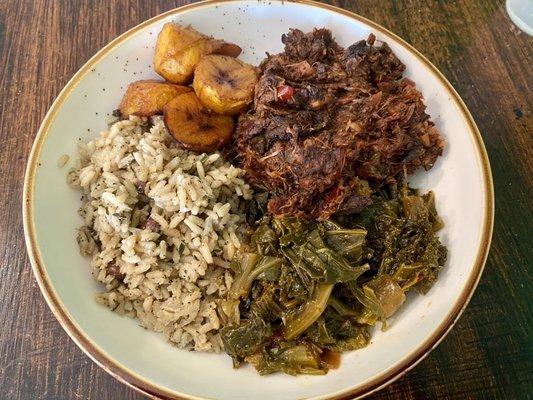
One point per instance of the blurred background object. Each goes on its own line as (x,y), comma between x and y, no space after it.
(521,13)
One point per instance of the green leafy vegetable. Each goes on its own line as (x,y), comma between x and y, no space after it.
(347,242)
(338,269)
(304,291)
(298,320)
(242,285)
(401,240)
(342,309)
(292,360)
(265,304)
(246,338)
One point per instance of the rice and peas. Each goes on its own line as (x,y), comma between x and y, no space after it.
(161,225)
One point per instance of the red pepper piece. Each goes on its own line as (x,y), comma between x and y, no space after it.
(284,92)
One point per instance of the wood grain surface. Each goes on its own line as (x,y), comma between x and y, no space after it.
(488,355)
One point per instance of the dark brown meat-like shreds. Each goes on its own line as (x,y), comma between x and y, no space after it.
(351,118)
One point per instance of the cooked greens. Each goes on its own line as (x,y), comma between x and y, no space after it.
(306,290)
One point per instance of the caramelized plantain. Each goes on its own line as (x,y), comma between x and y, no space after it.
(146,98)
(225,84)
(178,51)
(195,126)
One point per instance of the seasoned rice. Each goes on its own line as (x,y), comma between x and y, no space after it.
(161,225)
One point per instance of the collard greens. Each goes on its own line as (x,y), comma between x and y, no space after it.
(307,290)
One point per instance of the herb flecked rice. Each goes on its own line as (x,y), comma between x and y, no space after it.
(160,224)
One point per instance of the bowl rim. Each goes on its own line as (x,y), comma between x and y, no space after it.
(140,384)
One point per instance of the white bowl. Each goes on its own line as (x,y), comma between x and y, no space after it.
(142,359)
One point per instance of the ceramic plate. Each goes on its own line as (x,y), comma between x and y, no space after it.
(461,180)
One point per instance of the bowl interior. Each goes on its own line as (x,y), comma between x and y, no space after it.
(457,178)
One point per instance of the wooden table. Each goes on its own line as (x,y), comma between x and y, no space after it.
(489,352)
